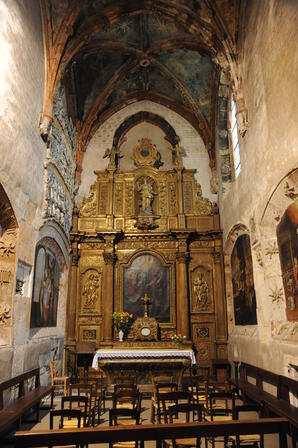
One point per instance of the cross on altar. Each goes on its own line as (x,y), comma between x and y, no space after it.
(146,301)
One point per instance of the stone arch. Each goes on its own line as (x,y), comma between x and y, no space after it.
(8,245)
(282,200)
(52,238)
(149,117)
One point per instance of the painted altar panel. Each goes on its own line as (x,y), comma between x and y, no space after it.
(288,253)
(147,275)
(245,311)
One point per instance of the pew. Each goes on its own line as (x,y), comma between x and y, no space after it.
(252,384)
(159,432)
(28,396)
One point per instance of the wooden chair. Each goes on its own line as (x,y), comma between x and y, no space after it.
(126,398)
(64,417)
(160,390)
(121,417)
(59,382)
(249,440)
(221,408)
(180,413)
(77,403)
(158,379)
(86,390)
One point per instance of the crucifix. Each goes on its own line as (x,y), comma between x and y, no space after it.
(146,301)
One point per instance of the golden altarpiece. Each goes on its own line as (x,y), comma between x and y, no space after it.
(147,231)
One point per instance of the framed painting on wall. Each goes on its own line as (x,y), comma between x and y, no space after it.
(245,310)
(45,289)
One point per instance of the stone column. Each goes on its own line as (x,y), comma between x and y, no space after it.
(181,289)
(108,291)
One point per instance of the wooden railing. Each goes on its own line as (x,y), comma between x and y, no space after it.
(44,438)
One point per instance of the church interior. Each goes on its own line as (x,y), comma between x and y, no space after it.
(149,187)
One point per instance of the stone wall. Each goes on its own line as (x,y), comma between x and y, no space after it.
(22,177)
(268,156)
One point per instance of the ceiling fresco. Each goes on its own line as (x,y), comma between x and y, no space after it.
(107,53)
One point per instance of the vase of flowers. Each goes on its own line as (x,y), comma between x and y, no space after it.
(178,339)
(122,321)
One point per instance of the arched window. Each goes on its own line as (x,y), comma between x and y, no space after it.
(234,138)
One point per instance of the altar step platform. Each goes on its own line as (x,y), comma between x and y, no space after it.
(145,360)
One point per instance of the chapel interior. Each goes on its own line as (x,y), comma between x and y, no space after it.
(148,165)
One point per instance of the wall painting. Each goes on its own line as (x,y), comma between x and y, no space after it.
(243,284)
(287,238)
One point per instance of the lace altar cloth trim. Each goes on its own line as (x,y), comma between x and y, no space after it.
(141,354)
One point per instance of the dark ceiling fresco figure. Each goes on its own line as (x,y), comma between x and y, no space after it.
(243,283)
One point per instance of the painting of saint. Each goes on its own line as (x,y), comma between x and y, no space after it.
(245,312)
(45,289)
(287,239)
(147,275)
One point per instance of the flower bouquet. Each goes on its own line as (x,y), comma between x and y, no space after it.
(178,339)
(122,321)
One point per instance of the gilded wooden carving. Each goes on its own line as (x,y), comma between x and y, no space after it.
(146,231)
(90,290)
(202,290)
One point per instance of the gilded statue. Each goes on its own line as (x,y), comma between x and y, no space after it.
(147,196)
(201,292)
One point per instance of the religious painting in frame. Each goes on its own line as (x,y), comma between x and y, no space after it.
(45,288)
(245,311)
(287,238)
(147,275)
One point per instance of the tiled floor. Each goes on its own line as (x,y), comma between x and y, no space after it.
(270,441)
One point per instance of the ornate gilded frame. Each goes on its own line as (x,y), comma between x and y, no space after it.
(126,263)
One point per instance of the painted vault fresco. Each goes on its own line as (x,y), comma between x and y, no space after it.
(243,284)
(45,289)
(147,275)
(288,253)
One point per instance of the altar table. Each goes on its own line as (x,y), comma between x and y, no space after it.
(173,360)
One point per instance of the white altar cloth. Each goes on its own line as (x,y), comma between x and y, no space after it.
(142,354)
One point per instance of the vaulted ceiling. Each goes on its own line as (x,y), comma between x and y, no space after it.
(108,53)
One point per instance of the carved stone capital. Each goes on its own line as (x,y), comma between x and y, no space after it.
(45,125)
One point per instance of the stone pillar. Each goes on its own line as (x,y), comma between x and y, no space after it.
(181,288)
(219,299)
(108,291)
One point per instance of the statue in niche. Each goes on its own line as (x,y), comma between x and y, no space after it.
(147,196)
(201,292)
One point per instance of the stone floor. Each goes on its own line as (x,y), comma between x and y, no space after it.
(271,441)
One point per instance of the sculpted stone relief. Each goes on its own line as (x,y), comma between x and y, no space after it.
(8,239)
(62,157)
(58,202)
(59,111)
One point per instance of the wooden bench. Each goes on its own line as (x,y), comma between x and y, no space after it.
(276,402)
(29,393)
(108,434)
